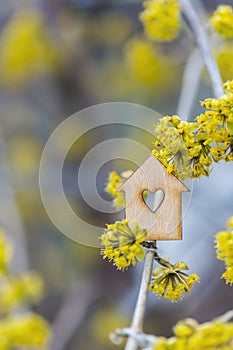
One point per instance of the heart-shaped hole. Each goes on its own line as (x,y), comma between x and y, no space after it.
(153,200)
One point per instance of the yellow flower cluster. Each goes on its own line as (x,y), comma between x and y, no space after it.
(216,125)
(161,19)
(26,331)
(171,282)
(23,330)
(222,21)
(26,48)
(122,244)
(190,335)
(188,149)
(5,254)
(224,246)
(173,139)
(114,182)
(144,61)
(24,289)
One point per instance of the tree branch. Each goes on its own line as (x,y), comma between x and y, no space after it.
(202,42)
(190,84)
(138,316)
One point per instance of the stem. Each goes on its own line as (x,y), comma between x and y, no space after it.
(138,316)
(202,41)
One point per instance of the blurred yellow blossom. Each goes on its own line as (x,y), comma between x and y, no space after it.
(24,289)
(106,321)
(185,328)
(114,182)
(27,331)
(222,21)
(145,72)
(161,19)
(26,48)
(224,57)
(144,61)
(24,155)
(5,253)
(190,335)
(230,223)
(23,330)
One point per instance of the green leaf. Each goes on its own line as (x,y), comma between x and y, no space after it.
(141,254)
(159,271)
(180,265)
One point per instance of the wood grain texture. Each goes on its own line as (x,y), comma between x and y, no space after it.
(166,222)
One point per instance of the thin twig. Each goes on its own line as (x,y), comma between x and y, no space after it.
(137,321)
(203,44)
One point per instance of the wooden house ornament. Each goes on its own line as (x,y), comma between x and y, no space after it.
(163,222)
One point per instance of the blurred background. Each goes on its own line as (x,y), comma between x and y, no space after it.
(56,58)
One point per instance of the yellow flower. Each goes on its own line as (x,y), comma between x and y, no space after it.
(171,282)
(222,21)
(185,328)
(114,182)
(224,57)
(174,142)
(26,48)
(105,321)
(189,335)
(228,275)
(224,247)
(122,244)
(188,149)
(144,61)
(230,223)
(161,19)
(5,254)
(25,331)
(24,289)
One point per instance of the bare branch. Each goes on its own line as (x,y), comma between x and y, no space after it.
(203,44)
(190,84)
(139,312)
